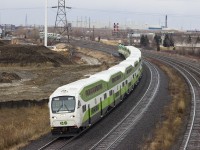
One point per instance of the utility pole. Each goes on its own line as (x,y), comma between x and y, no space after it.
(81,22)
(109,23)
(166,21)
(93,38)
(45,26)
(77,22)
(26,21)
(61,20)
(89,29)
(89,23)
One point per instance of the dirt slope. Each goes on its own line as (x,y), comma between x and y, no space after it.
(30,55)
(41,70)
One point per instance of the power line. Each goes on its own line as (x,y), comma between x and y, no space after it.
(134,12)
(27,8)
(110,11)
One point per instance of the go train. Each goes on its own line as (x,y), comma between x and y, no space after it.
(79,104)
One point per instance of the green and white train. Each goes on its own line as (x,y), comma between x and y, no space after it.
(80,104)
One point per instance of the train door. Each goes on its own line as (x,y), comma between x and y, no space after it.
(114,97)
(120,92)
(101,107)
(89,115)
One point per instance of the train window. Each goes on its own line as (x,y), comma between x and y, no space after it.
(79,104)
(105,96)
(63,103)
(95,101)
(95,109)
(117,94)
(94,90)
(117,78)
(123,84)
(110,92)
(84,108)
(129,70)
(136,64)
(126,82)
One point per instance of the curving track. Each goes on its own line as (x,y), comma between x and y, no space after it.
(189,70)
(119,132)
(55,144)
(191,73)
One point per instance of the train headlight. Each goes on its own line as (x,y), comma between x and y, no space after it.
(72,116)
(54,117)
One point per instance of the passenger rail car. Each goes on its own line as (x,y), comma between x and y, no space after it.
(78,105)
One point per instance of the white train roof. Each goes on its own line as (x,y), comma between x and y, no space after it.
(120,67)
(129,61)
(134,51)
(105,75)
(132,54)
(134,59)
(74,87)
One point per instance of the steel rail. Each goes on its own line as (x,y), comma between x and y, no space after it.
(118,133)
(193,67)
(194,91)
(188,62)
(58,144)
(49,143)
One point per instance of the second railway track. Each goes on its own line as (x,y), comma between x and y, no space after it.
(192,133)
(119,132)
(191,73)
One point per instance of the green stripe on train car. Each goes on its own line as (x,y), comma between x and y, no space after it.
(88,96)
(105,103)
(123,90)
(114,80)
(129,71)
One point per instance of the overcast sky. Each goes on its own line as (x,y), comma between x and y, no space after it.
(182,14)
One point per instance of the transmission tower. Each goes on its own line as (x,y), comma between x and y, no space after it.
(61,24)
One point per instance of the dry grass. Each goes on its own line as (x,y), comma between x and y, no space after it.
(166,48)
(110,42)
(167,131)
(193,51)
(20,125)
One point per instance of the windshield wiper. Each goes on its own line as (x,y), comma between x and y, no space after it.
(66,107)
(59,108)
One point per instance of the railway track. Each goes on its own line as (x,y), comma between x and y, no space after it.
(56,144)
(60,142)
(119,132)
(190,141)
(191,73)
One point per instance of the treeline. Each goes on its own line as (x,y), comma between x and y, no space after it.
(166,41)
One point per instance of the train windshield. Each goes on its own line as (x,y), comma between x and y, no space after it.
(63,103)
